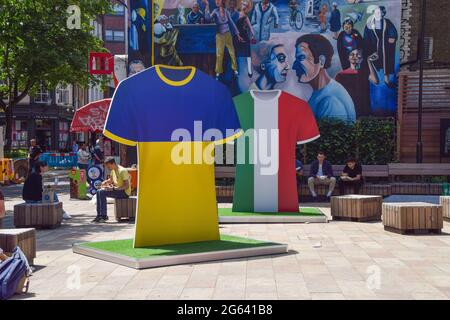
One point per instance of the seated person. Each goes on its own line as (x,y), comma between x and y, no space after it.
(118,186)
(2,207)
(351,177)
(321,174)
(33,186)
(298,169)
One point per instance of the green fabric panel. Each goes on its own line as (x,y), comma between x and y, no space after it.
(244,179)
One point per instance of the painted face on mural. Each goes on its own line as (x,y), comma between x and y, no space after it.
(304,66)
(377,14)
(355,57)
(278,66)
(244,6)
(348,26)
(232,5)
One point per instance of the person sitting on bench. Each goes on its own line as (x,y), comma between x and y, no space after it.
(118,186)
(322,174)
(351,177)
(33,186)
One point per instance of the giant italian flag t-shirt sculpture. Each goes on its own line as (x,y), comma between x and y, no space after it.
(274,122)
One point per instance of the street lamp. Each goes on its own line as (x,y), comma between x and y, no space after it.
(419,153)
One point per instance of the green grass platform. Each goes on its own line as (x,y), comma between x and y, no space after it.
(226,215)
(228,247)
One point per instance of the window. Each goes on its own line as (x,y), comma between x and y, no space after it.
(42,96)
(116,36)
(118,9)
(62,95)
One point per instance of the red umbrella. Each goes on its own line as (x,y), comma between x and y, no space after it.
(91,117)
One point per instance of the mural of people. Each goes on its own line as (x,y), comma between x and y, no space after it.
(380,37)
(348,40)
(313,55)
(346,73)
(355,80)
(270,61)
(222,18)
(263,15)
(335,21)
(247,33)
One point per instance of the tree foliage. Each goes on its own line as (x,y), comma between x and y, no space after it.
(36,46)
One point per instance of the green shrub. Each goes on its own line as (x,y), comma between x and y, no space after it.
(371,140)
(16,153)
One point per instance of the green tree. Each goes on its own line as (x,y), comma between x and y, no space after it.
(41,41)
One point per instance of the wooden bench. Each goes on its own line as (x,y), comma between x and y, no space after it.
(356,208)
(445,203)
(38,215)
(412,217)
(24,238)
(418,169)
(125,208)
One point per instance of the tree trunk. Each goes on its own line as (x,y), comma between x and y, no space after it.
(9,122)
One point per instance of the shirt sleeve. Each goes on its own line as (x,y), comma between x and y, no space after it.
(120,125)
(227,120)
(125,175)
(307,129)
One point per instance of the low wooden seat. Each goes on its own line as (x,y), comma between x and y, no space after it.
(24,238)
(445,203)
(38,215)
(355,207)
(125,208)
(412,217)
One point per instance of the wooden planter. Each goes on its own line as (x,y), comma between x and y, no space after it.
(445,203)
(356,207)
(38,215)
(24,238)
(125,208)
(412,217)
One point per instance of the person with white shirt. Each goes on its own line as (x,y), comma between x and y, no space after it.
(83,157)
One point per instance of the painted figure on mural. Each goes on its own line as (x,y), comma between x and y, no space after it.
(165,38)
(181,19)
(348,40)
(232,8)
(243,48)
(313,55)
(263,15)
(195,16)
(323,18)
(138,29)
(355,80)
(335,21)
(221,17)
(270,62)
(380,37)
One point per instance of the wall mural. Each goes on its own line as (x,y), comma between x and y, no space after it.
(341,56)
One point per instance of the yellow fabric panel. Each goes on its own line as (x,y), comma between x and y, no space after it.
(120,176)
(176,203)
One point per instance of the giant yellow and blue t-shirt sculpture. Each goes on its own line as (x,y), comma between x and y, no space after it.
(175,116)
